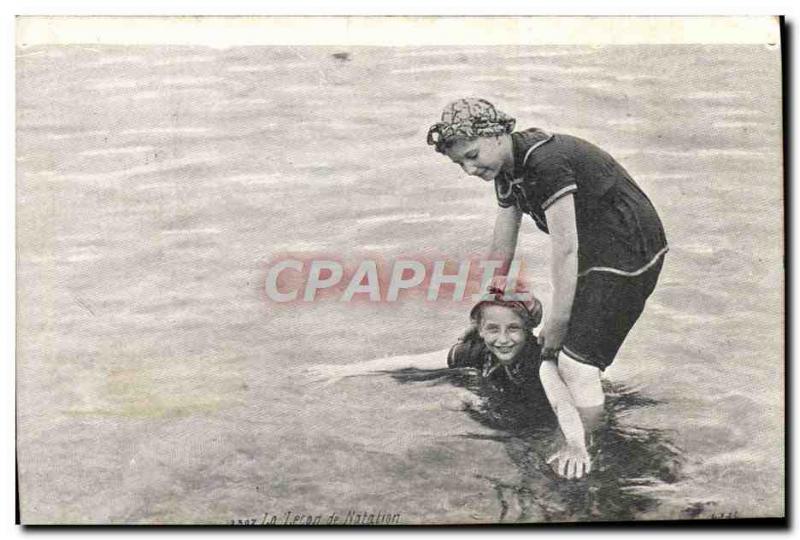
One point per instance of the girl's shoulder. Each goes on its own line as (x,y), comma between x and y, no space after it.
(531,356)
(526,143)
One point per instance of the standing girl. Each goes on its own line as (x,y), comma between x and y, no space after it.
(607,240)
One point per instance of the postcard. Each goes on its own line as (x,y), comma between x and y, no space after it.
(381,271)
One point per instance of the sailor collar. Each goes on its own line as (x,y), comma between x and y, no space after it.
(513,371)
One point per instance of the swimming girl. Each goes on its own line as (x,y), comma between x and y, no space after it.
(607,241)
(503,350)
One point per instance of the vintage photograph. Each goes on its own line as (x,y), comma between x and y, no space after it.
(378,271)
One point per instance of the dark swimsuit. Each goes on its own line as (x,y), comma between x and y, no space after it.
(520,376)
(513,394)
(621,241)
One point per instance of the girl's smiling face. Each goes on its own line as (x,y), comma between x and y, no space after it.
(483,157)
(503,331)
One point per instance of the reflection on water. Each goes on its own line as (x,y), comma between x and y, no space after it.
(629,463)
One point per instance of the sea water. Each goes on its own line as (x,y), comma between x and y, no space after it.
(156,382)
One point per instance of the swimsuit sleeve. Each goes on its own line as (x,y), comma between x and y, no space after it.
(532,382)
(555,179)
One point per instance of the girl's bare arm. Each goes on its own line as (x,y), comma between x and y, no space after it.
(569,420)
(504,239)
(563,268)
(573,458)
(330,373)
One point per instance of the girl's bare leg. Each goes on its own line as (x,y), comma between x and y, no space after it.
(583,382)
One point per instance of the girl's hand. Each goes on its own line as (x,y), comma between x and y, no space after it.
(552,335)
(572,461)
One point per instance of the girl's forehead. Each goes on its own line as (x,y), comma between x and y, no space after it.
(460,147)
(493,314)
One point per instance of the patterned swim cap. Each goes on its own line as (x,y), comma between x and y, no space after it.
(500,293)
(469,118)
